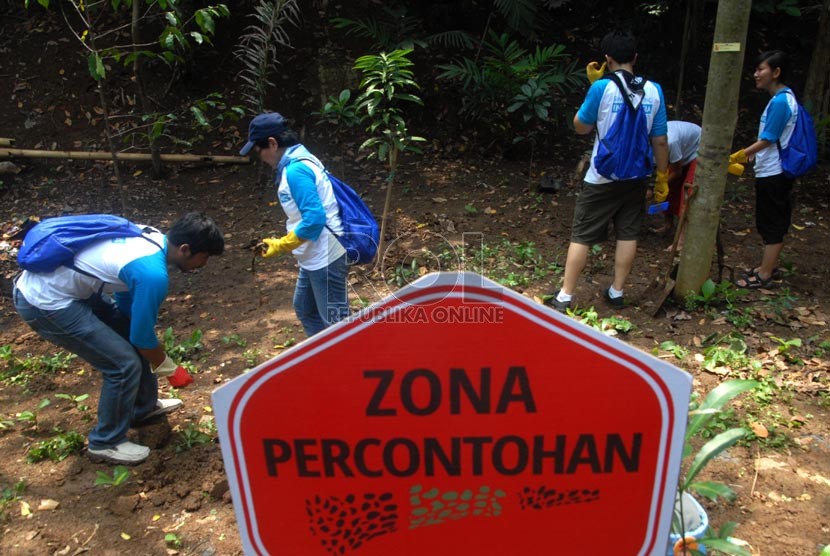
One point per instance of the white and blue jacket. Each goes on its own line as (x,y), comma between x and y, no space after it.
(132,268)
(777,124)
(306,196)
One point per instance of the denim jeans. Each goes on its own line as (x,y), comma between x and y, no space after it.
(320,297)
(95,330)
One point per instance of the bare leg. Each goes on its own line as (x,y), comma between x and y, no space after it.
(770,260)
(574,265)
(623,261)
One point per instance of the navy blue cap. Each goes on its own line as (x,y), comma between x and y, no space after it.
(270,124)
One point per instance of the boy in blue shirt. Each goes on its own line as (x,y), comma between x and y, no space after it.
(73,307)
(603,199)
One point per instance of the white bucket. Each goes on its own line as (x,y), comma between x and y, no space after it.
(695,521)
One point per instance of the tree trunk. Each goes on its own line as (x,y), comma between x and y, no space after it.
(817,89)
(719,118)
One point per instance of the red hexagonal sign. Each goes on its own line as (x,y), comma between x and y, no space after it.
(455,417)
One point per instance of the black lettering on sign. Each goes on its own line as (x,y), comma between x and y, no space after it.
(459,380)
(433,392)
(384,380)
(516,376)
(421,392)
(272,458)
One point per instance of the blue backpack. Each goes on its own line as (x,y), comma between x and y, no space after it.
(55,241)
(801,153)
(361,234)
(625,151)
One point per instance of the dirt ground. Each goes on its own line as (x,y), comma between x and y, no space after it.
(243,311)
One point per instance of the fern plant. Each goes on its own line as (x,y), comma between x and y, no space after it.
(257,48)
(490,83)
(395,29)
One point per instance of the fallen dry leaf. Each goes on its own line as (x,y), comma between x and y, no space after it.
(48,504)
(759,429)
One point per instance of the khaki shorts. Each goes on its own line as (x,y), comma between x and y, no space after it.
(620,202)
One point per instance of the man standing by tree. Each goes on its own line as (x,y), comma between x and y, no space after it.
(71,307)
(629,115)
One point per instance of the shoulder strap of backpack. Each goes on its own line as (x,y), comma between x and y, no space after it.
(325,173)
(616,79)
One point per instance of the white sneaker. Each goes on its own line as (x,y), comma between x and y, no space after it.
(127,453)
(163,407)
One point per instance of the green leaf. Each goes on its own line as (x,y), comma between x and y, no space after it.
(199,116)
(713,490)
(96,66)
(198,37)
(708,288)
(171,18)
(709,450)
(715,400)
(205,21)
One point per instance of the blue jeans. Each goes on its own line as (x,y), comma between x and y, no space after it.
(320,297)
(95,330)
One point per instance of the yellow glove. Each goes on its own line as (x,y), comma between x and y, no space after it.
(594,71)
(736,169)
(661,186)
(273,246)
(738,157)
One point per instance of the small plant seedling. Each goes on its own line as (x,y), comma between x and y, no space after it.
(185,349)
(712,294)
(77,401)
(9,495)
(120,474)
(785,348)
(57,448)
(609,326)
(251,356)
(192,435)
(235,339)
(31,416)
(469,208)
(678,351)
(173,541)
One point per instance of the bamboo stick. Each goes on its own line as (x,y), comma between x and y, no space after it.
(103,155)
(5,142)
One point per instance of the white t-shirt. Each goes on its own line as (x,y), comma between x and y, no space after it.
(684,140)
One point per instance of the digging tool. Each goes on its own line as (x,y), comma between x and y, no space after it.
(664,285)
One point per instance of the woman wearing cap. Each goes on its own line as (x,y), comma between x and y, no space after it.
(306,196)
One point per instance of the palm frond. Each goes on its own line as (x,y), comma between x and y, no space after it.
(520,14)
(452,39)
(257,48)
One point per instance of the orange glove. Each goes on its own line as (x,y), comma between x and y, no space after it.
(594,71)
